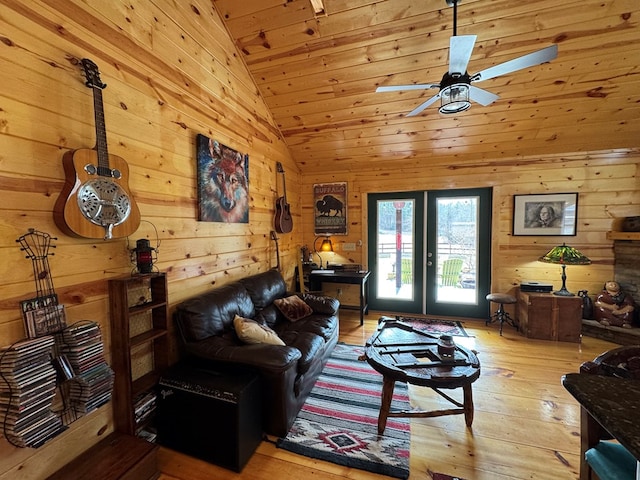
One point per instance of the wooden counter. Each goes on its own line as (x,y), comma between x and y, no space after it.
(607,403)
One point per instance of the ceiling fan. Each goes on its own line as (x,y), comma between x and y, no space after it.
(455,87)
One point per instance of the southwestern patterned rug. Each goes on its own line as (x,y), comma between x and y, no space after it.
(339,421)
(437,327)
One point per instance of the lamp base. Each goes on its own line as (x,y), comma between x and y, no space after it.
(563,292)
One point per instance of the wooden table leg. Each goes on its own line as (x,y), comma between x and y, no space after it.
(590,434)
(388,385)
(362,303)
(468,404)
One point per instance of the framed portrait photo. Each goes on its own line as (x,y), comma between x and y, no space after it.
(552,214)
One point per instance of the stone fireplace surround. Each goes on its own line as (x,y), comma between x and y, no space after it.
(626,248)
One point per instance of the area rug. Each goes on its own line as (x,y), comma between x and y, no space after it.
(437,327)
(339,421)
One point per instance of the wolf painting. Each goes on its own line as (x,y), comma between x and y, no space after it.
(223,182)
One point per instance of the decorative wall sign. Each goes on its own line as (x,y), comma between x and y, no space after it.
(223,182)
(330,200)
(545,214)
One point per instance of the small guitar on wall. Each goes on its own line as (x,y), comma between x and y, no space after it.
(283,221)
(95,201)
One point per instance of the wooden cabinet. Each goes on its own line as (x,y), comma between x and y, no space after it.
(139,344)
(547,316)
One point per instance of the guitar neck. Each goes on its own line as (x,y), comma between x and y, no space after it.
(284,189)
(284,183)
(101,134)
(275,239)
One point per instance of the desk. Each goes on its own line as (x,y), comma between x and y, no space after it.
(317,277)
(607,403)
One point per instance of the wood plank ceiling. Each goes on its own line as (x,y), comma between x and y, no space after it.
(318,74)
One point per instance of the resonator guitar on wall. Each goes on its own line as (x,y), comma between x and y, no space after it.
(95,201)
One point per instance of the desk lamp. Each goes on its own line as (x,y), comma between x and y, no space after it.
(564,255)
(326,246)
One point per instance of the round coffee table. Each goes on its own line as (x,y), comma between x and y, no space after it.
(402,353)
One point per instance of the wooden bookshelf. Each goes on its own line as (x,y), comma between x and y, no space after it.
(139,342)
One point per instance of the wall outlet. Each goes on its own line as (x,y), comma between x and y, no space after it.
(349,247)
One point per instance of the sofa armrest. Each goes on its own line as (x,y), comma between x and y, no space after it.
(321,304)
(262,356)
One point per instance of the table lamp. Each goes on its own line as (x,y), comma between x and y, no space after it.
(326,246)
(564,255)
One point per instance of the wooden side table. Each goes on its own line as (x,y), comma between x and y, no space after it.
(546,316)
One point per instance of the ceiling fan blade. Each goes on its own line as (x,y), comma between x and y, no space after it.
(422,106)
(460,49)
(529,60)
(483,97)
(397,88)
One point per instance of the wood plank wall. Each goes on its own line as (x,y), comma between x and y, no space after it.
(172,73)
(606,182)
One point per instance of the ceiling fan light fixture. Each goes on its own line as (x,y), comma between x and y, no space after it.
(454,98)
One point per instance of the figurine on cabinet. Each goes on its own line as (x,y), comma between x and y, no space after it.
(614,307)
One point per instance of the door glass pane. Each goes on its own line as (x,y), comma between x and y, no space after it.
(395,256)
(456,254)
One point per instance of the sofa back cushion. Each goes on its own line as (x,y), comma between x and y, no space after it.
(212,313)
(265,287)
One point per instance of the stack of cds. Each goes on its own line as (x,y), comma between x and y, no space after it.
(27,390)
(93,381)
(144,411)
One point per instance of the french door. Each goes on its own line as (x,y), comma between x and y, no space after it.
(430,252)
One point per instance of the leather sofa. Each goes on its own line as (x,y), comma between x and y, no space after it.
(288,372)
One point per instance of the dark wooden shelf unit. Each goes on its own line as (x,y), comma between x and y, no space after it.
(139,341)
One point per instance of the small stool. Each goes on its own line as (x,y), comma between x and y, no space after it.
(501,315)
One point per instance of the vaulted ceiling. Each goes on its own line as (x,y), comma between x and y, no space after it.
(318,73)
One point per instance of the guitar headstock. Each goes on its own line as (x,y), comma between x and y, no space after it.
(92,74)
(279,167)
(36,244)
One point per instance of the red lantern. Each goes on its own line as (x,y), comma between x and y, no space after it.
(144,256)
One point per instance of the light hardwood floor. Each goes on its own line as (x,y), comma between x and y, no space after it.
(526,425)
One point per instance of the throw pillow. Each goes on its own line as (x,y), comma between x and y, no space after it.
(293,308)
(250,331)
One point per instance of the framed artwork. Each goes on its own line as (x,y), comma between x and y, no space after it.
(545,214)
(223,182)
(330,211)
